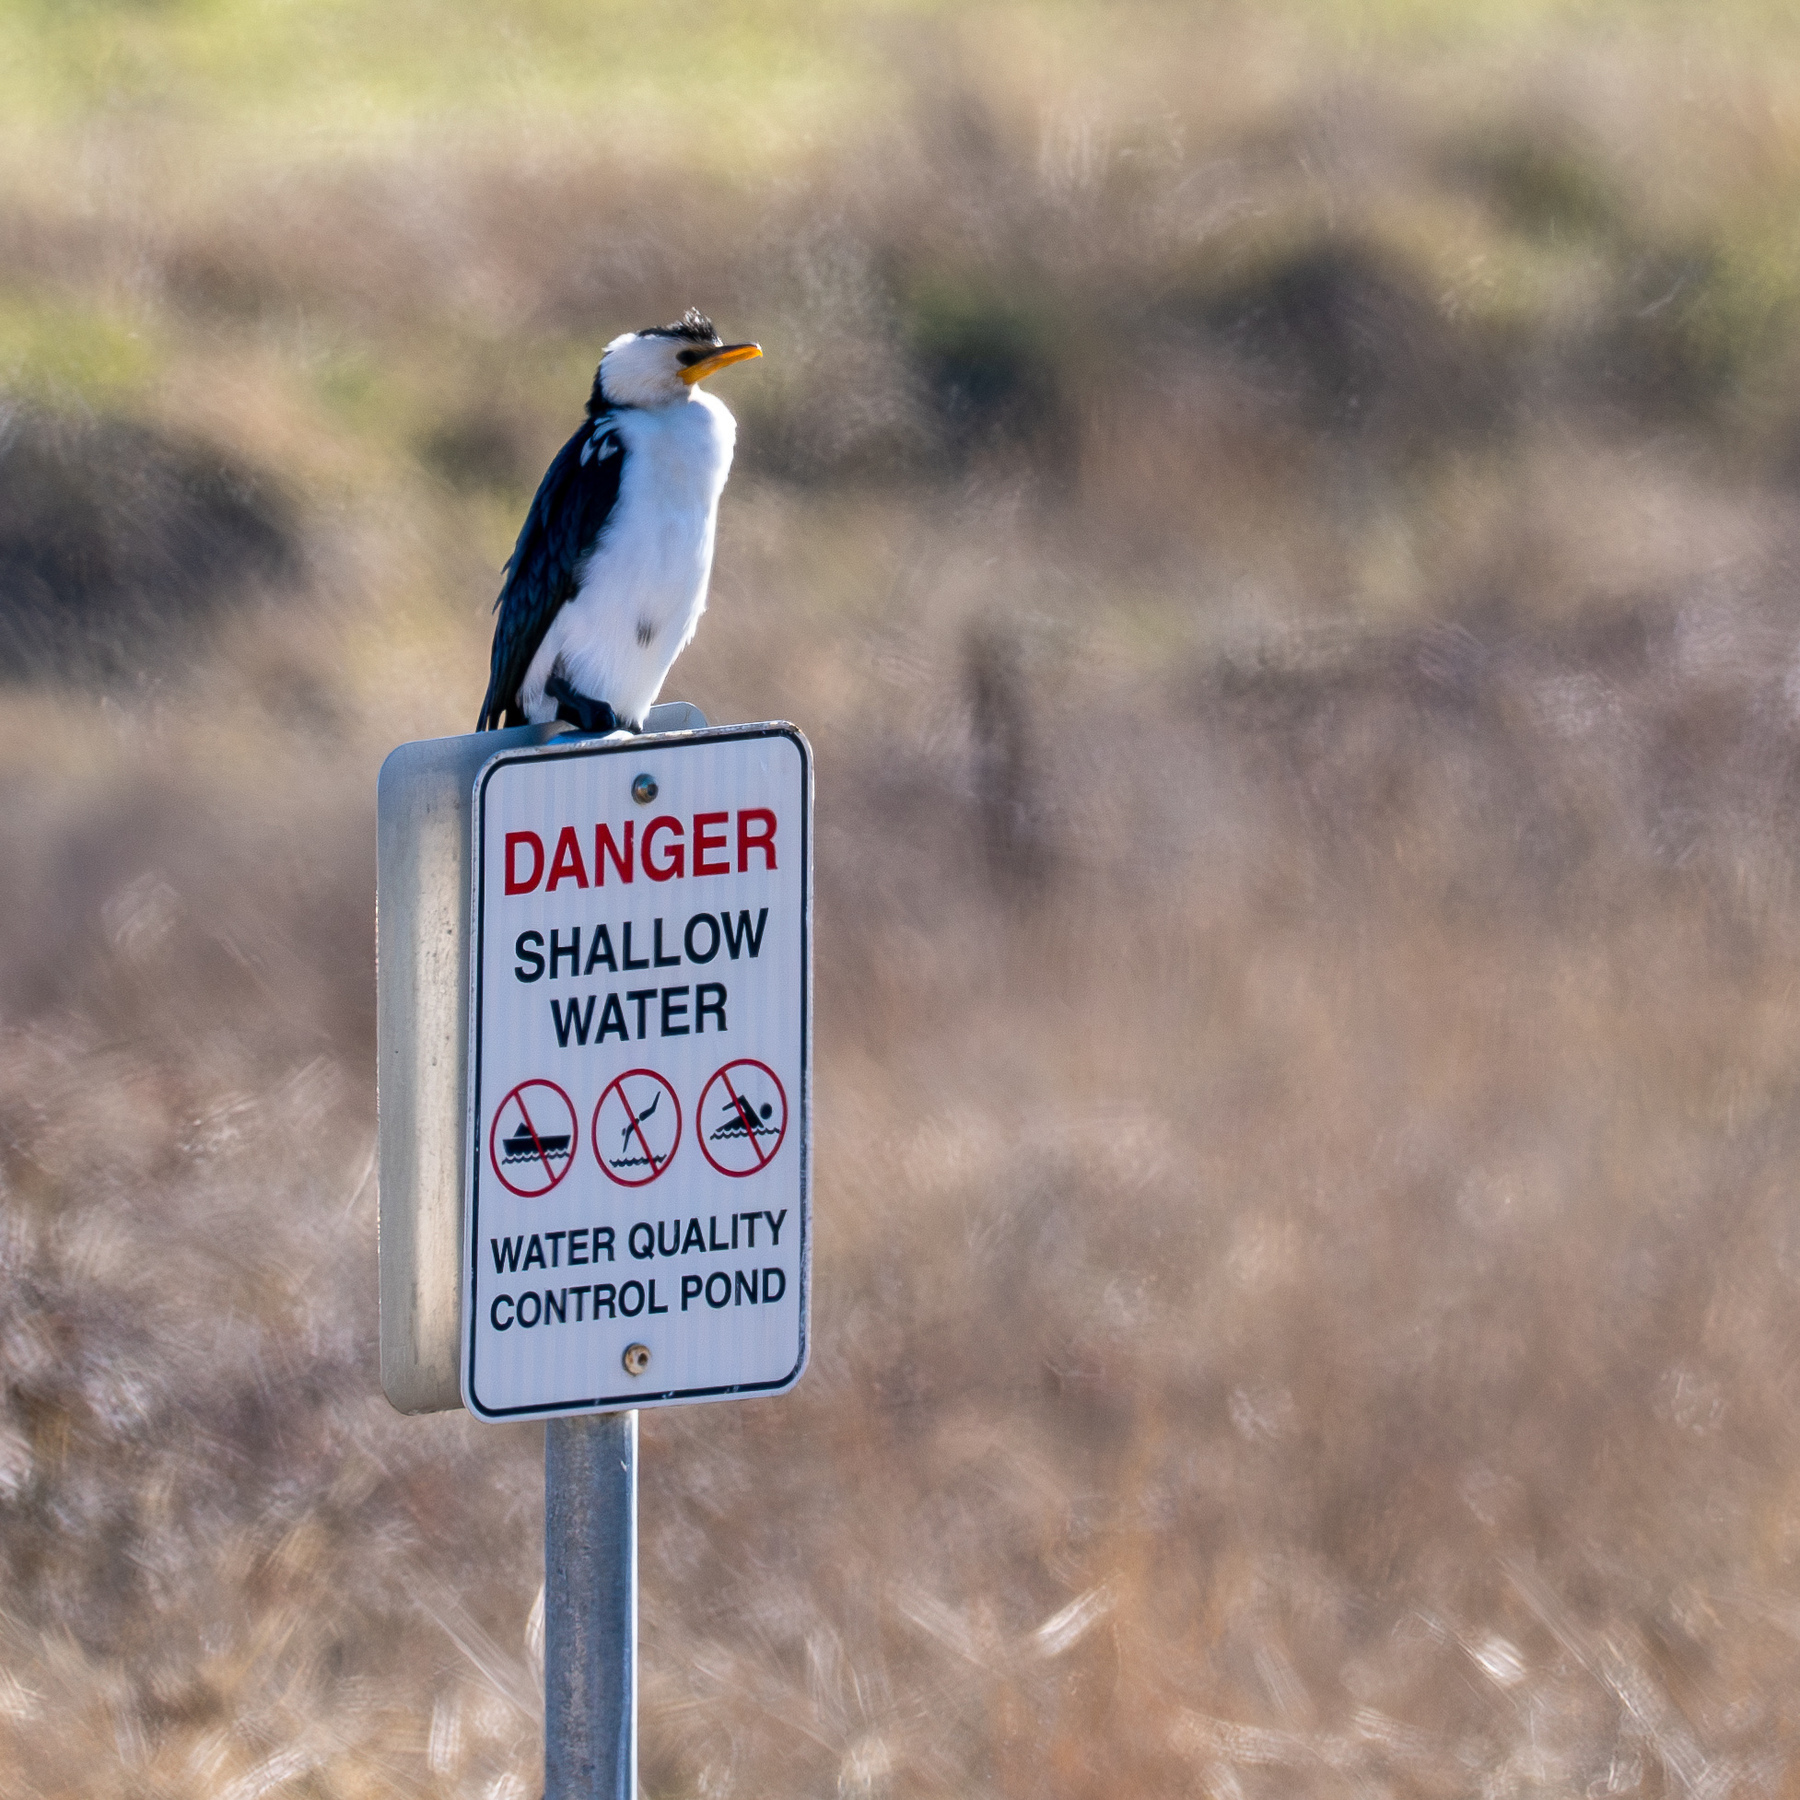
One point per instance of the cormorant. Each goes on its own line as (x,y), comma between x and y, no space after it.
(608,579)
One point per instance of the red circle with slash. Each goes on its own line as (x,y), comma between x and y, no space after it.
(742,1116)
(646,1124)
(542,1135)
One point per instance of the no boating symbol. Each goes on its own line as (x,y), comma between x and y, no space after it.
(637,1128)
(742,1118)
(538,1148)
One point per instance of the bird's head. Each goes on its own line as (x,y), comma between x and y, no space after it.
(662,363)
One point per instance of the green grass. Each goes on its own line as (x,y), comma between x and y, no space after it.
(712,79)
(285,79)
(79,354)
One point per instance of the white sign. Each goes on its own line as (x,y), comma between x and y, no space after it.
(639,1231)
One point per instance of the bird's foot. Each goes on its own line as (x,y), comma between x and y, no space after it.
(585,714)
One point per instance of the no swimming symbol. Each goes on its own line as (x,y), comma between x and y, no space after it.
(742,1118)
(538,1147)
(637,1128)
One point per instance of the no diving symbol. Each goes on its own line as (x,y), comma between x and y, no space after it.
(538,1119)
(637,1128)
(742,1118)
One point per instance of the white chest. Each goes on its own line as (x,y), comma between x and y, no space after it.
(656,553)
(676,460)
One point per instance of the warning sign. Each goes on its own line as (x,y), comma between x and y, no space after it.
(641,944)
(533,1155)
(742,1117)
(637,1127)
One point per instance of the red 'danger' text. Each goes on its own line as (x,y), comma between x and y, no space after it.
(667,851)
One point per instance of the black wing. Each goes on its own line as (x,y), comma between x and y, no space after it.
(573,504)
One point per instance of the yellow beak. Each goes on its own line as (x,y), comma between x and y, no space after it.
(720,359)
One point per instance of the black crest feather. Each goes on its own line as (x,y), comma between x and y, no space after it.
(693,325)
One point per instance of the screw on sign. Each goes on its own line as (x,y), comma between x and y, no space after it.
(539,1146)
(742,1117)
(637,1128)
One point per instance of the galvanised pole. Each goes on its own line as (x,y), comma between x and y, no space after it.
(590,1607)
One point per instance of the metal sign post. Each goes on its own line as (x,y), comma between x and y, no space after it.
(594,1035)
(590,1607)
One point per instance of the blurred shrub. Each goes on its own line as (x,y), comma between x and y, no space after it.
(1703,324)
(116,539)
(1543,181)
(993,362)
(1350,333)
(481,448)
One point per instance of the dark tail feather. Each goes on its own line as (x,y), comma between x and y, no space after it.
(497,714)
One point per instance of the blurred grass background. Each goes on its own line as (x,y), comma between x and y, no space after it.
(1280,522)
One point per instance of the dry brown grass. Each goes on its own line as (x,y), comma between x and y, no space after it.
(1299,641)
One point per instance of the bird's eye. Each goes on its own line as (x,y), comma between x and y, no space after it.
(687,358)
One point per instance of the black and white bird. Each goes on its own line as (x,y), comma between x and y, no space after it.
(608,579)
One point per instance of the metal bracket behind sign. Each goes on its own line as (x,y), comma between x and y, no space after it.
(423,878)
